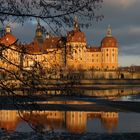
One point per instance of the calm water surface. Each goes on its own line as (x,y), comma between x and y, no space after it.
(69,121)
(76,121)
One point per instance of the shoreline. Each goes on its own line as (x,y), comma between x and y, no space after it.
(67,136)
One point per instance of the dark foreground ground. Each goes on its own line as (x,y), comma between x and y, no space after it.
(68,136)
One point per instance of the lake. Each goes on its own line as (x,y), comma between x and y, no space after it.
(77,121)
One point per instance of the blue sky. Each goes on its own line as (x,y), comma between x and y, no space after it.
(122,15)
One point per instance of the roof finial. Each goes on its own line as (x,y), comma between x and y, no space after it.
(109,31)
(76,26)
(47,35)
(38,21)
(8,29)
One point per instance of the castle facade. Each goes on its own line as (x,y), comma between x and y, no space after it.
(69,52)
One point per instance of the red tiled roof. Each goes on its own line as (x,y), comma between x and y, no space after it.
(109,42)
(93,49)
(32,48)
(52,42)
(37,48)
(76,36)
(8,39)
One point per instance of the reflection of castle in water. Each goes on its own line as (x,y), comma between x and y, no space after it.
(72,121)
(8,119)
(112,92)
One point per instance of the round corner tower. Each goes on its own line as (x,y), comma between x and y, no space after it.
(109,49)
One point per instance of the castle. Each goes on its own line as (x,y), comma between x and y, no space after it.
(70,52)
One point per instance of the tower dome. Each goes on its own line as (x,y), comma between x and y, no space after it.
(76,36)
(109,41)
(8,39)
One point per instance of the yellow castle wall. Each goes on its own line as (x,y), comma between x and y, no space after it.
(78,57)
(109,58)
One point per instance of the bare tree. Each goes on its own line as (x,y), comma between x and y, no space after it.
(57,14)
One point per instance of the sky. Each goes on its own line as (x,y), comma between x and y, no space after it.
(122,15)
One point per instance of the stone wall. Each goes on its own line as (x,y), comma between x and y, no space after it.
(103,75)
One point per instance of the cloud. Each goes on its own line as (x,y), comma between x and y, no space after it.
(124,18)
(130,50)
(122,3)
(134,30)
(128,61)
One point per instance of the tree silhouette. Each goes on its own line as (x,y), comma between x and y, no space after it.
(57,14)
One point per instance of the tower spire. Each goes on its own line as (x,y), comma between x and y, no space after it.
(109,31)
(39,32)
(38,21)
(39,28)
(76,26)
